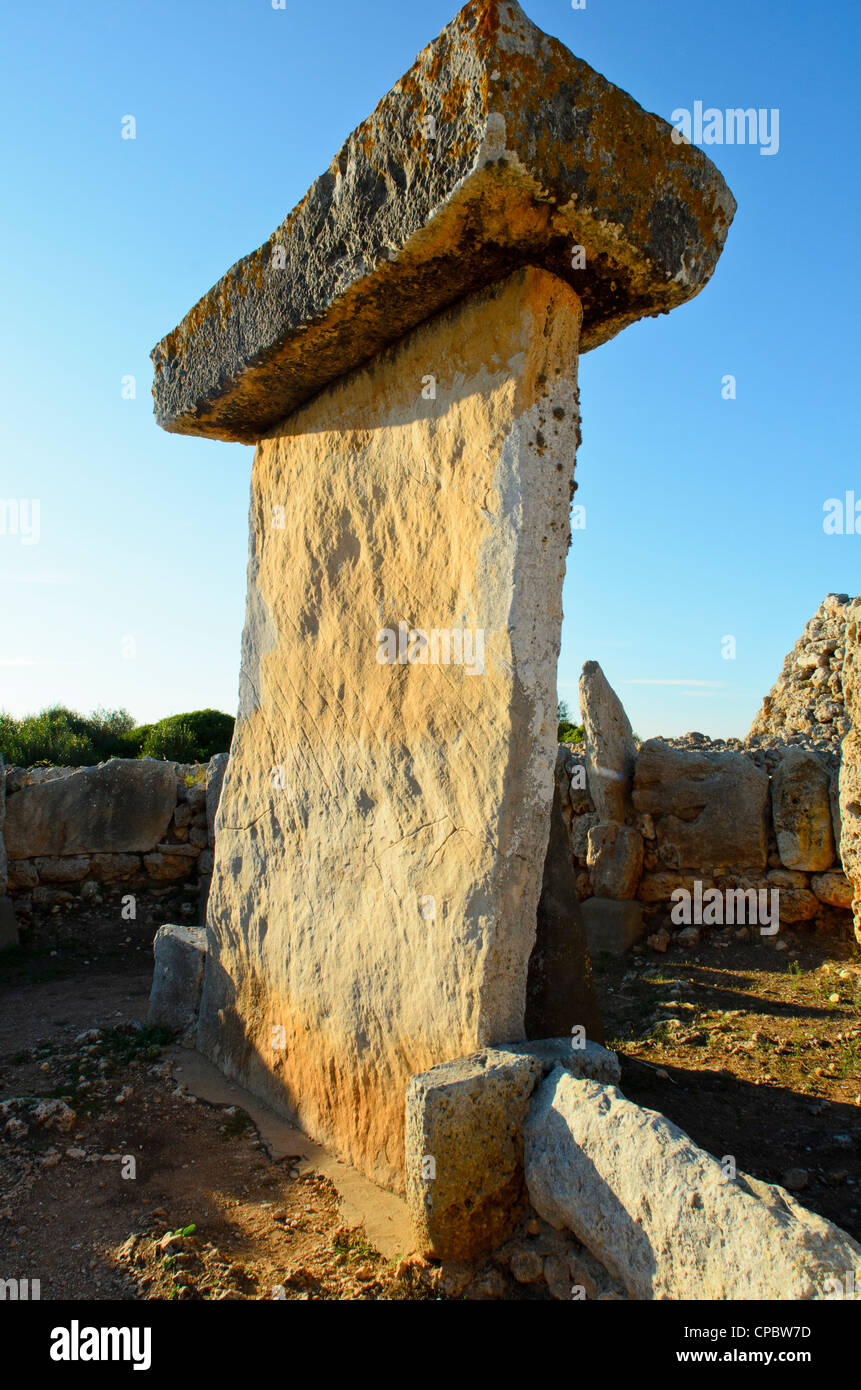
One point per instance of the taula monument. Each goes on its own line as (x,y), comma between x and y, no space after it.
(403,353)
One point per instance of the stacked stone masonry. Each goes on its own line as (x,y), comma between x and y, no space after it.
(71,833)
(688,812)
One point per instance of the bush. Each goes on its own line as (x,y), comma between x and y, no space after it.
(189,738)
(566,732)
(59,737)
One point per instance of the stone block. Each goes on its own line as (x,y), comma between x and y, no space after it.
(611,925)
(498,148)
(614,856)
(399,886)
(464,1152)
(801,806)
(833,888)
(124,805)
(177,979)
(657,1212)
(611,752)
(709,809)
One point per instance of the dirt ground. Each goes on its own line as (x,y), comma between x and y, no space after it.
(755,1052)
(127,1187)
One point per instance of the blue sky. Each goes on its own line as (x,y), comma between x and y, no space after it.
(703,515)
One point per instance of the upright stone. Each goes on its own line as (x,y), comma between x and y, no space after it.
(404,348)
(385,812)
(611,753)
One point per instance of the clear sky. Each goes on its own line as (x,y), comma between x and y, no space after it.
(704,516)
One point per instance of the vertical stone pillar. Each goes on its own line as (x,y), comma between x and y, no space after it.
(403,351)
(385,814)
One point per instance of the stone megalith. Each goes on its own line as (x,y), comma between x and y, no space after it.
(403,351)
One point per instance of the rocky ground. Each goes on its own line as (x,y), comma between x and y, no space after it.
(116,1183)
(755,1052)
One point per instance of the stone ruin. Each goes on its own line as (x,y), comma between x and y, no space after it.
(738,817)
(390,954)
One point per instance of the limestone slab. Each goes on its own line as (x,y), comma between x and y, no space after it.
(611,752)
(121,806)
(179,954)
(801,805)
(709,809)
(498,148)
(383,823)
(657,1211)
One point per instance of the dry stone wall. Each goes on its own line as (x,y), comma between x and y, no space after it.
(68,833)
(686,813)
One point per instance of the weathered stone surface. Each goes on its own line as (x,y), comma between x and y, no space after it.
(591,1059)
(214,782)
(22,874)
(801,806)
(113,868)
(614,855)
(464,1152)
(659,887)
(709,809)
(656,1211)
(533,154)
(69,869)
(177,978)
(124,805)
(611,752)
(807,700)
(833,888)
(796,902)
(612,925)
(464,1141)
(383,828)
(167,867)
(559,988)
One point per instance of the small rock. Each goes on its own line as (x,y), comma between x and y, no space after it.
(796,1179)
(527,1266)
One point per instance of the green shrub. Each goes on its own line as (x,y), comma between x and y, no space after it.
(59,737)
(567,732)
(189,738)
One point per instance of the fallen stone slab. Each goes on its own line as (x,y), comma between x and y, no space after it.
(659,1214)
(464,1142)
(177,978)
(120,807)
(497,149)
